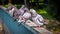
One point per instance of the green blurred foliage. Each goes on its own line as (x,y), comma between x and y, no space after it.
(53,8)
(44,13)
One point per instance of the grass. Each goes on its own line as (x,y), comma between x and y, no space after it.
(18,6)
(6,6)
(44,14)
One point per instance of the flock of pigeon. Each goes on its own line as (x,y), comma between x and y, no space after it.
(24,14)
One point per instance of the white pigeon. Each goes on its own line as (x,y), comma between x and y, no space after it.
(38,19)
(14,9)
(21,10)
(26,15)
(11,12)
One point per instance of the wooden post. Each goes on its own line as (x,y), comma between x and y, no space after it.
(1,27)
(9,1)
(25,3)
